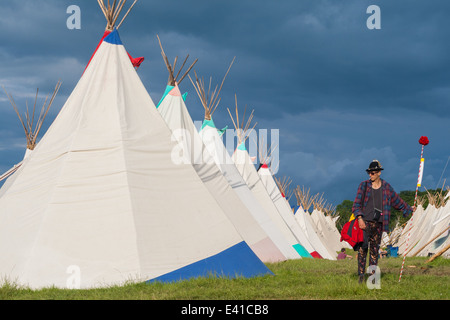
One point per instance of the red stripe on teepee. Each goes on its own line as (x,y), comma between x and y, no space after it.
(104,36)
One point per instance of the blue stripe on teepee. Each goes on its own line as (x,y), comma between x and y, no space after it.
(168,89)
(113,37)
(237,261)
(302,251)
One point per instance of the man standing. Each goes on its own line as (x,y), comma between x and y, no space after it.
(372,208)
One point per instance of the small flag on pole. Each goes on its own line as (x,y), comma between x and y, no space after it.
(419,181)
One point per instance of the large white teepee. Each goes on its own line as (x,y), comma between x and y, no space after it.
(173,109)
(100,194)
(213,142)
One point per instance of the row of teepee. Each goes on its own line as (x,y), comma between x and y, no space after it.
(126,190)
(427,233)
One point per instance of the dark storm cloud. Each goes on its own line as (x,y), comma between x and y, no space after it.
(339,93)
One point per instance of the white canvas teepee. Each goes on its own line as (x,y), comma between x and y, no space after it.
(213,142)
(101,194)
(173,109)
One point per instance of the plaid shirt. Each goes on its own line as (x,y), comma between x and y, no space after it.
(390,199)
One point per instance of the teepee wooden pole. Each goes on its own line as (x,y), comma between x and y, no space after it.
(434,238)
(126,14)
(102,6)
(187,71)
(441,252)
(118,11)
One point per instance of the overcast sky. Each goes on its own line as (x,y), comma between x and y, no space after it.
(339,93)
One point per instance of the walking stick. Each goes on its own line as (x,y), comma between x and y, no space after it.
(423,141)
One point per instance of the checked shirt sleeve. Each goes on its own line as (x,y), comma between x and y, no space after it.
(359,199)
(398,203)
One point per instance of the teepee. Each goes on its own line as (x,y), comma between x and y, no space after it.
(31,122)
(100,194)
(209,134)
(305,201)
(248,171)
(174,111)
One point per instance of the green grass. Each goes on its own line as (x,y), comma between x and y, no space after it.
(305,279)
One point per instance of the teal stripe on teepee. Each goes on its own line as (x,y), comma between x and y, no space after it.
(242,146)
(301,251)
(222,131)
(209,123)
(168,88)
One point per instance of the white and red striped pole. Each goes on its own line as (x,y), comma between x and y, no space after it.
(423,141)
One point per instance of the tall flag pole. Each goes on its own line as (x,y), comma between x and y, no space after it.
(423,141)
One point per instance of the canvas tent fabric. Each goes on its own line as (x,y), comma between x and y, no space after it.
(102,194)
(193,151)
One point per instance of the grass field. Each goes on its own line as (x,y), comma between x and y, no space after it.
(304,279)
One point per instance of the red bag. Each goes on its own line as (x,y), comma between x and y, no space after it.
(352,233)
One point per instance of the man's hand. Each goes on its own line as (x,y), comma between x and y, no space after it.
(361,223)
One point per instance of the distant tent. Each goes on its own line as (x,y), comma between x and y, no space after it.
(101,193)
(438,237)
(302,215)
(429,232)
(173,109)
(32,124)
(210,136)
(248,171)
(332,241)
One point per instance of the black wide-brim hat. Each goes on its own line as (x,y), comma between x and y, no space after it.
(375,165)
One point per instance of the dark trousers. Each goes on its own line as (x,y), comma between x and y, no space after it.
(372,240)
